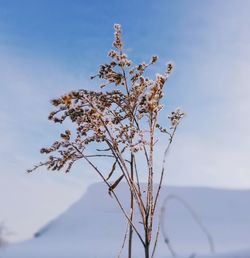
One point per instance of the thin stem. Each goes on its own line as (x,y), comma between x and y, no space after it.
(99,155)
(134,188)
(156,238)
(124,240)
(163,166)
(194,216)
(150,201)
(137,175)
(166,239)
(116,198)
(132,209)
(121,164)
(125,80)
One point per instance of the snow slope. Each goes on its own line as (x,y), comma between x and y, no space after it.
(94,226)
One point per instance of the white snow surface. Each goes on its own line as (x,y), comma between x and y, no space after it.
(94,226)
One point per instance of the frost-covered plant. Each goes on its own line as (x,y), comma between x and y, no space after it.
(117,124)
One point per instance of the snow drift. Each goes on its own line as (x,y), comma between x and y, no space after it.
(94,226)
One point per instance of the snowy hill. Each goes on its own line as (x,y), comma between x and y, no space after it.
(94,226)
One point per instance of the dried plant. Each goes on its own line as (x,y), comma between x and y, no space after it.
(118,124)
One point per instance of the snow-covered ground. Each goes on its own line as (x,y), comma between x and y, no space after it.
(94,227)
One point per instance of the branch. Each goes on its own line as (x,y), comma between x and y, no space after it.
(137,175)
(163,166)
(99,155)
(116,198)
(124,240)
(130,182)
(156,238)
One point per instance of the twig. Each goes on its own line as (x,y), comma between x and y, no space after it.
(137,176)
(116,198)
(165,237)
(163,166)
(156,238)
(194,216)
(124,240)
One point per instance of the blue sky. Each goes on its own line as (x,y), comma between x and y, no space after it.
(51,47)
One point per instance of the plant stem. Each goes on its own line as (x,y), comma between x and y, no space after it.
(132,209)
(146,248)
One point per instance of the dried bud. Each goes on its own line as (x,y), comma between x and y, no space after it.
(176,116)
(67,100)
(56,102)
(170,67)
(117,26)
(154,59)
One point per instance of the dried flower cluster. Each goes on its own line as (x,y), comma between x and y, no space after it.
(114,119)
